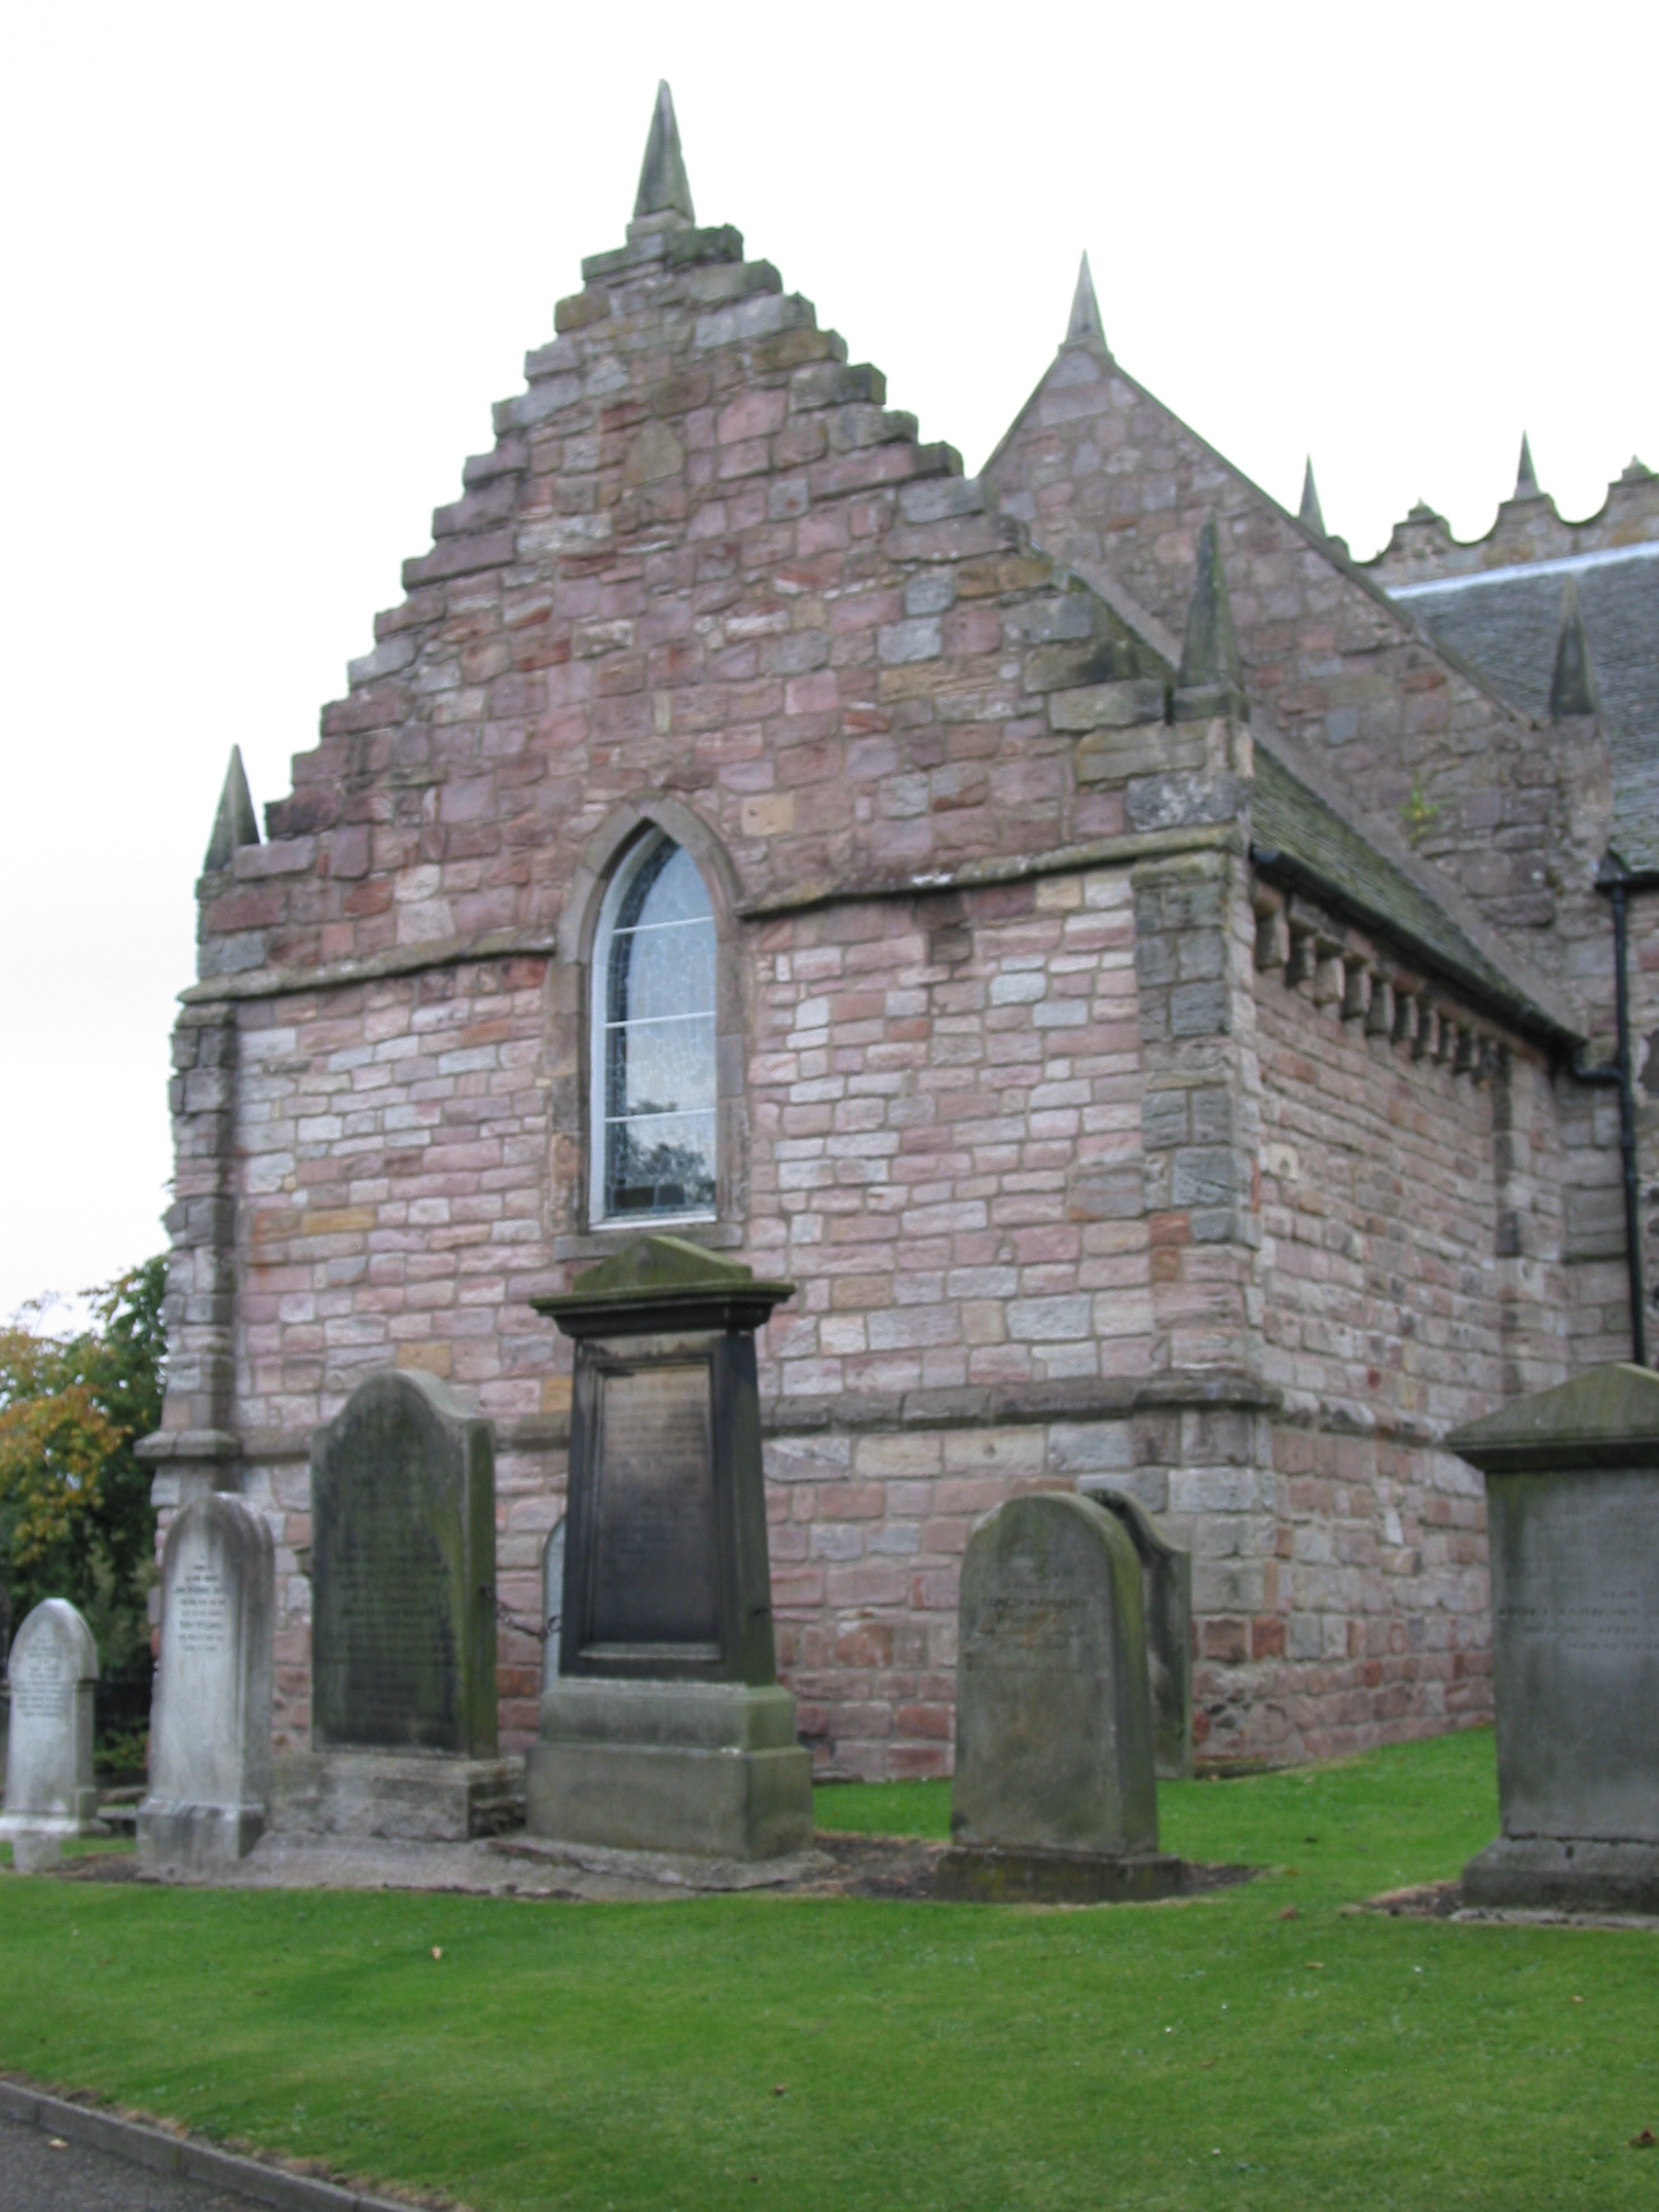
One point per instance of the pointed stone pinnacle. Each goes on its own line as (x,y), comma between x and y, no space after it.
(1085,324)
(1209,657)
(663,186)
(1573,685)
(1311,512)
(1525,476)
(236,824)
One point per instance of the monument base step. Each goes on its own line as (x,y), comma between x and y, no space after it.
(176,1838)
(415,1796)
(83,1821)
(981,1875)
(707,1768)
(1563,1874)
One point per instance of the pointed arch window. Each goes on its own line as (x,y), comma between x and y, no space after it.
(653,1057)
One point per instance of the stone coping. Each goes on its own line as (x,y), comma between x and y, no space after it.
(162,2150)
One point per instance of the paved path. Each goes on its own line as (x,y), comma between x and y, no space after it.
(36,2178)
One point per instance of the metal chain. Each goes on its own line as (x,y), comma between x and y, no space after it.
(505,1617)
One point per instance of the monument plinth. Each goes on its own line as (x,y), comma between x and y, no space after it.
(1054,1798)
(665,1728)
(1572,1509)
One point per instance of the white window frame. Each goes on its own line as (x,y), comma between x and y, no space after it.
(599,976)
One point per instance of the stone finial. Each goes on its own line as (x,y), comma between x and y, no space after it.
(1526,475)
(236,824)
(1573,685)
(663,186)
(1311,512)
(1635,470)
(1085,326)
(1209,656)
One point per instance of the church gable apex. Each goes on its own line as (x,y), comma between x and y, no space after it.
(703,559)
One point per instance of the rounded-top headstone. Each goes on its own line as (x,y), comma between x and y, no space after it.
(49,1756)
(211,1730)
(1054,1713)
(403,1572)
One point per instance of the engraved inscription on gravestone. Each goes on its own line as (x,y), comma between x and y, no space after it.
(202,1620)
(40,1690)
(655,1559)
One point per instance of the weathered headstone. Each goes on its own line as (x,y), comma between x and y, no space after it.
(1167,1599)
(1573,1510)
(50,1789)
(211,1720)
(666,1728)
(1054,1795)
(552,1599)
(403,1622)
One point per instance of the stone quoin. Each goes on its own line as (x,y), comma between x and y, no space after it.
(1151,993)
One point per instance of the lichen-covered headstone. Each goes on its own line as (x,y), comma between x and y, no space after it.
(1054,1794)
(403,1572)
(50,1789)
(403,1625)
(210,1719)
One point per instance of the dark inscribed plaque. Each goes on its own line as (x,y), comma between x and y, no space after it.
(655,1551)
(403,1572)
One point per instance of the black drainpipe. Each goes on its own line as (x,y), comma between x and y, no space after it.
(1618,887)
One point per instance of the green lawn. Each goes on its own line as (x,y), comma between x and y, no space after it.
(804,2053)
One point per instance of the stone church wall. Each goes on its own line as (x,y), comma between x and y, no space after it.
(1001,1074)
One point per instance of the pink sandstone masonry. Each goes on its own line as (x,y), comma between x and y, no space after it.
(1093,1144)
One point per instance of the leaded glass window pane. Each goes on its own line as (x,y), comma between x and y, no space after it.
(658,1042)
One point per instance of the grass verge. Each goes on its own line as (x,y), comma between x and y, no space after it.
(750,2050)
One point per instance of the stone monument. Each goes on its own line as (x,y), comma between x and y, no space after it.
(666,1728)
(403,1623)
(1054,1797)
(50,1791)
(210,1724)
(1166,1600)
(1572,1509)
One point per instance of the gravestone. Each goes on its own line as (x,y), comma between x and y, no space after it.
(1573,1512)
(50,1789)
(210,1722)
(403,1622)
(1055,1796)
(1166,1600)
(552,1599)
(665,1728)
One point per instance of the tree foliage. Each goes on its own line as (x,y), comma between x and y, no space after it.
(75,1515)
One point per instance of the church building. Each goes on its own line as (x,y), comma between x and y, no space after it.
(1177,1002)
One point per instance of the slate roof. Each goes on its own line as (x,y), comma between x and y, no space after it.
(1505,622)
(1302,830)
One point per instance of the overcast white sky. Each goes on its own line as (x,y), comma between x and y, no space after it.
(265,268)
